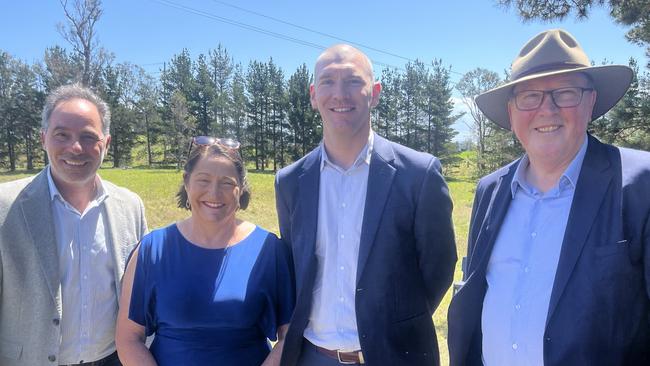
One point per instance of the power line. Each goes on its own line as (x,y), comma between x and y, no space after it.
(253,28)
(319,32)
(312,30)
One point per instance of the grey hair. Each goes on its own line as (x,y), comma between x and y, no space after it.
(75,91)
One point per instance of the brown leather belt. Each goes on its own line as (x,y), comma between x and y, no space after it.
(346,358)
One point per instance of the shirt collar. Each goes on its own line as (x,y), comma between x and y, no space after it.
(364,155)
(568,179)
(54,191)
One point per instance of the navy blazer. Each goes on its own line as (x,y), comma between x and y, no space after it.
(406,257)
(599,308)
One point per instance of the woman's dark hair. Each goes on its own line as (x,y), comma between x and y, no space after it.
(201,151)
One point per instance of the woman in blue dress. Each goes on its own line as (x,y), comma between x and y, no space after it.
(212,288)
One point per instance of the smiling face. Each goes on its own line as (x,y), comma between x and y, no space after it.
(75,143)
(548,133)
(213,190)
(344,92)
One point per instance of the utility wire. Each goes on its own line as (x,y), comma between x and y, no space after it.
(318,32)
(312,30)
(253,28)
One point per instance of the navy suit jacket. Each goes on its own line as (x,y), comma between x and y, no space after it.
(599,307)
(406,257)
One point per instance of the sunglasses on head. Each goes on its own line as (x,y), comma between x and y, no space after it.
(227,142)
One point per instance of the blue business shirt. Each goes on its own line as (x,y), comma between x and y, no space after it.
(87,275)
(521,270)
(342,197)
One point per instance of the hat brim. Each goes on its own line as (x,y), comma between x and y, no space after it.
(610,81)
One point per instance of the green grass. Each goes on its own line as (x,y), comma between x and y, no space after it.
(158,187)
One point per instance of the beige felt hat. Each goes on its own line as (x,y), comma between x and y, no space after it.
(554,52)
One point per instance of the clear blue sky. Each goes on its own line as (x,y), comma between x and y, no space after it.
(464,34)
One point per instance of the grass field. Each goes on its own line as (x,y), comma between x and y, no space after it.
(158,187)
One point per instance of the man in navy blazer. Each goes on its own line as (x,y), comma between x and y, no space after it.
(559,245)
(369,224)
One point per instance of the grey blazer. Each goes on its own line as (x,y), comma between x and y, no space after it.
(30,289)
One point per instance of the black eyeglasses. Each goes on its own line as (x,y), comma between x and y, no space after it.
(227,142)
(528,100)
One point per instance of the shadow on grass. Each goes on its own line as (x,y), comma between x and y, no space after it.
(461,179)
(19,171)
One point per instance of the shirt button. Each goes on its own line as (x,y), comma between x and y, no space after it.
(341,268)
(55,321)
(343,204)
(51,358)
(342,236)
(517,306)
(526,269)
(341,298)
(515,346)
(533,234)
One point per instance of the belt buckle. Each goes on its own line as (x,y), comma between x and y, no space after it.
(338,355)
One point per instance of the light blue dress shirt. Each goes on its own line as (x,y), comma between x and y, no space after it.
(342,197)
(86,268)
(521,270)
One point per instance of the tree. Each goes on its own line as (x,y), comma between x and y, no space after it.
(412,91)
(119,93)
(238,103)
(304,123)
(258,91)
(180,127)
(438,109)
(8,135)
(20,108)
(177,78)
(627,123)
(27,102)
(203,95)
(470,85)
(222,72)
(277,113)
(59,69)
(146,96)
(633,13)
(82,16)
(387,112)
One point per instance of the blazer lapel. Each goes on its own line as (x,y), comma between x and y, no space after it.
(495,214)
(39,223)
(595,178)
(380,179)
(114,213)
(308,188)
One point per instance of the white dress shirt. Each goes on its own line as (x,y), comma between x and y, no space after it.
(342,197)
(86,268)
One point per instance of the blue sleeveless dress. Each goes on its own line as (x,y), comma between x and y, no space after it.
(212,306)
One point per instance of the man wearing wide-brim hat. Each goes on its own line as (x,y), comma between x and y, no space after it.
(558,261)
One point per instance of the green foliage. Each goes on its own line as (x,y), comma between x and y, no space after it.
(303,121)
(633,13)
(204,95)
(60,69)
(627,123)
(20,103)
(415,108)
(494,145)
